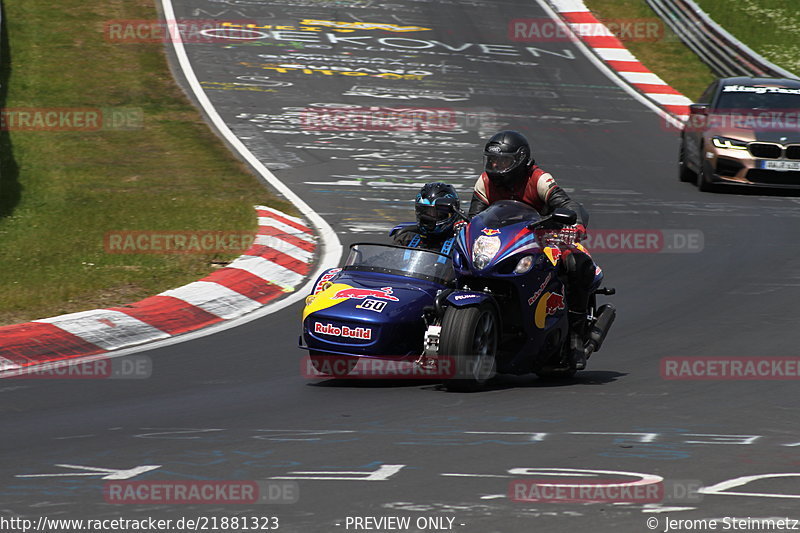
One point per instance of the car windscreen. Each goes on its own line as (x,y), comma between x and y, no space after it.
(414,263)
(744,97)
(506,212)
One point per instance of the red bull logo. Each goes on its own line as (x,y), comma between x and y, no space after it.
(384,293)
(554,302)
(490,232)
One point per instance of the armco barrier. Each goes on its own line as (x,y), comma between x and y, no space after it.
(726,55)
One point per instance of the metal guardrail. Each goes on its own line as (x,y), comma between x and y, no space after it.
(726,55)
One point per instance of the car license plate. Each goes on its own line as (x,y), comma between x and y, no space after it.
(780,165)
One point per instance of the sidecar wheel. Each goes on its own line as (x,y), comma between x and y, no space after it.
(469,338)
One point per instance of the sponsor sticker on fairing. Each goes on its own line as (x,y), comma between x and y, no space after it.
(554,303)
(343,331)
(384,293)
(329,275)
(465,296)
(372,305)
(540,290)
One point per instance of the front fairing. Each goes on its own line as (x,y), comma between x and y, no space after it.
(496,235)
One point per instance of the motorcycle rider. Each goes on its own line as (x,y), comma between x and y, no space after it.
(510,173)
(437,223)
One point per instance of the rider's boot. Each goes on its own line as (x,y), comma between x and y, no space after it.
(577,331)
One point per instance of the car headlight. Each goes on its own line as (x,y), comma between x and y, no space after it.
(524,265)
(484,249)
(728,143)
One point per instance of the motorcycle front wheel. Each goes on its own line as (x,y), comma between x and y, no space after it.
(469,341)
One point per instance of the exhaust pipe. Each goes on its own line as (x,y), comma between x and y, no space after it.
(605,318)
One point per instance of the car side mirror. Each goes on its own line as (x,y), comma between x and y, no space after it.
(698,109)
(566,217)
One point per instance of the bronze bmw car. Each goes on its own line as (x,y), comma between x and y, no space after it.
(744,131)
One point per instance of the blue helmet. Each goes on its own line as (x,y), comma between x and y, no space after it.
(434,208)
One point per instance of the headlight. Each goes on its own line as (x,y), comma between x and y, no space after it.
(728,143)
(484,249)
(524,265)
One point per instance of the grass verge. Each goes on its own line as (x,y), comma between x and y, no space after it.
(667,57)
(62,191)
(769,27)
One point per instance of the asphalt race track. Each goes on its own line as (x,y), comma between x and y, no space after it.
(234,405)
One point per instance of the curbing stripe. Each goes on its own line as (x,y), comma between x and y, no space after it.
(286,220)
(280,245)
(668,99)
(281,259)
(282,215)
(627,66)
(655,89)
(587,28)
(642,77)
(107,329)
(285,228)
(579,17)
(268,271)
(617,54)
(5,364)
(34,342)
(569,5)
(214,298)
(291,239)
(247,284)
(172,315)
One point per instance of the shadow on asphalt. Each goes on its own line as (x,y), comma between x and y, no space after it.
(501,382)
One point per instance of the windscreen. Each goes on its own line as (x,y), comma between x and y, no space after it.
(413,263)
(506,213)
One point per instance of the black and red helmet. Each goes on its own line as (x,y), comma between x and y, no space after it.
(507,158)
